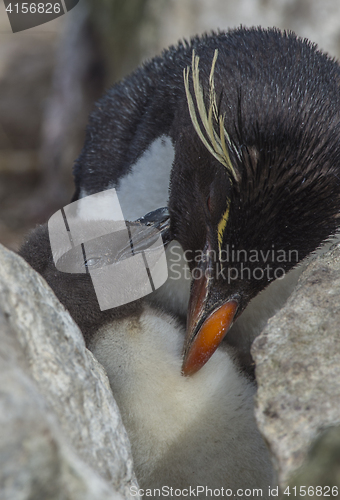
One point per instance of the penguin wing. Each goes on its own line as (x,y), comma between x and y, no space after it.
(126,121)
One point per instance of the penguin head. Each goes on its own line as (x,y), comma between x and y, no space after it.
(255,181)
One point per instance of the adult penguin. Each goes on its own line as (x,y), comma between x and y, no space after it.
(238,133)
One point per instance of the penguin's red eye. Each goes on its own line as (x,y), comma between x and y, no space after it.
(209,203)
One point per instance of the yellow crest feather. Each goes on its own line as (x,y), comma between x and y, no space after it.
(215,142)
(221,227)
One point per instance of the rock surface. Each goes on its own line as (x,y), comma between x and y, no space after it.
(320,474)
(61,432)
(298,366)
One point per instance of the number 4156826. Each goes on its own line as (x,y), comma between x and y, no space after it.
(32,8)
(324,491)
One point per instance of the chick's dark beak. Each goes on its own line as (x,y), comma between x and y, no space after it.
(206,327)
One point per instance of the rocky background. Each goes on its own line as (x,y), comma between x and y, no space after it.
(50,385)
(50,76)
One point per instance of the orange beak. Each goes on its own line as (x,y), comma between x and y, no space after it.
(209,337)
(205,330)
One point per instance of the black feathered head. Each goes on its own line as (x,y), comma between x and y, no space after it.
(255,183)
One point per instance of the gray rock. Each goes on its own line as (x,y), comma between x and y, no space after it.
(298,366)
(35,459)
(61,432)
(320,474)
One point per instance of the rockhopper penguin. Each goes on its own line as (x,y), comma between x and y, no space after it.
(239,134)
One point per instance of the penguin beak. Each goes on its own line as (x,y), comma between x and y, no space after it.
(206,328)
